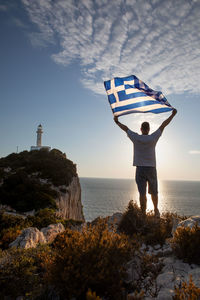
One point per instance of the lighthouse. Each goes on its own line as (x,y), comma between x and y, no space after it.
(39,140)
(39,136)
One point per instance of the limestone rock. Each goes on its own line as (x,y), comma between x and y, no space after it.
(52,231)
(190,222)
(69,203)
(29,238)
(165,294)
(166,280)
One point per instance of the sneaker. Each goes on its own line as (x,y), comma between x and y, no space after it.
(157,214)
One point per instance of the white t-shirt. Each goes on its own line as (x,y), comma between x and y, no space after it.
(144,148)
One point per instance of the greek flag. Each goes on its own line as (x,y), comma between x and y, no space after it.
(131,95)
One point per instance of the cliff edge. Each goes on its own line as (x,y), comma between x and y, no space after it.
(30,181)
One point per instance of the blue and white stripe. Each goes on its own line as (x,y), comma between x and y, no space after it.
(131,95)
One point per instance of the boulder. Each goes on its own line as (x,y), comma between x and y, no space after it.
(52,231)
(190,222)
(166,280)
(165,294)
(29,238)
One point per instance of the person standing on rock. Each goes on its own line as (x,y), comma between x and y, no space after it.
(145,160)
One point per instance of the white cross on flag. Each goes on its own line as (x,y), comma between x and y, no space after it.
(131,95)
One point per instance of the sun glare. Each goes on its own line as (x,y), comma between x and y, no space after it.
(150,206)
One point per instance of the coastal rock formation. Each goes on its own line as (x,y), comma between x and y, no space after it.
(35,180)
(170,272)
(173,273)
(190,222)
(69,203)
(31,237)
(52,231)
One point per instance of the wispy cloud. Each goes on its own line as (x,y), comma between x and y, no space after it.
(156,40)
(3,7)
(19,23)
(194,152)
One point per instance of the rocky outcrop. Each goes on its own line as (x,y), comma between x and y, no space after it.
(52,231)
(31,237)
(189,222)
(162,275)
(175,272)
(46,178)
(69,202)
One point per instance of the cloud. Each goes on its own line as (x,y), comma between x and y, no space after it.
(3,7)
(19,23)
(194,152)
(156,40)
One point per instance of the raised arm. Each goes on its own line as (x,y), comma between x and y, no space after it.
(122,126)
(166,122)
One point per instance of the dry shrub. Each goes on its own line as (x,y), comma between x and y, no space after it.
(185,243)
(153,230)
(93,258)
(92,295)
(22,271)
(8,236)
(132,221)
(187,291)
(157,230)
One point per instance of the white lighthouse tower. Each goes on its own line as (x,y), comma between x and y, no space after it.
(39,136)
(39,140)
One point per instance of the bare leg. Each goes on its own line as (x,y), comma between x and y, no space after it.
(143,203)
(155,203)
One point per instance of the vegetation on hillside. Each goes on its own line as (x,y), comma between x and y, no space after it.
(185,244)
(21,178)
(187,291)
(151,230)
(90,262)
(11,226)
(75,262)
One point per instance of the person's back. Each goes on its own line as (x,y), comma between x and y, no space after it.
(145,160)
(144,148)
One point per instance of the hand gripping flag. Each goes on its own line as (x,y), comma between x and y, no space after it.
(131,95)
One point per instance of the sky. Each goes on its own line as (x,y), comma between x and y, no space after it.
(55,56)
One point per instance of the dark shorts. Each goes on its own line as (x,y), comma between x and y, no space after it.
(146,175)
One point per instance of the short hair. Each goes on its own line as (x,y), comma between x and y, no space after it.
(145,126)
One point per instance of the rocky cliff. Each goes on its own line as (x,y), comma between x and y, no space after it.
(69,203)
(31,181)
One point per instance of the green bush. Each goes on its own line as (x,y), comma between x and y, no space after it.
(24,194)
(185,243)
(22,272)
(22,188)
(152,230)
(52,165)
(186,291)
(43,218)
(9,220)
(10,228)
(93,258)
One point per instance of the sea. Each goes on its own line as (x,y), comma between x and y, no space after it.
(105,196)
